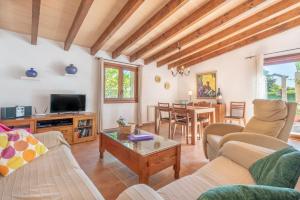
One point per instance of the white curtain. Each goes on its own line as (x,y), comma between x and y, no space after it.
(260,78)
(140,94)
(100,96)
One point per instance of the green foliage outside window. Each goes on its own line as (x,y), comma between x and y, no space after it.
(111,83)
(274,89)
(112,87)
(128,84)
(298,66)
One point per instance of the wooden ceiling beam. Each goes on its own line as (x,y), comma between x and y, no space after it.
(243,35)
(129,8)
(150,24)
(78,20)
(249,4)
(36,6)
(228,31)
(273,31)
(179,27)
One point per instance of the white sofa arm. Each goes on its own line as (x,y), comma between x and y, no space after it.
(51,139)
(255,139)
(243,153)
(139,192)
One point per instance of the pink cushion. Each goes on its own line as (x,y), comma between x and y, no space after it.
(4,128)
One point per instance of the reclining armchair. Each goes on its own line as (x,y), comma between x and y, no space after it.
(269,127)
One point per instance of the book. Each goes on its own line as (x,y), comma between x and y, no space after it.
(140,137)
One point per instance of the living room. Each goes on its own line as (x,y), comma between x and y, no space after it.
(130,63)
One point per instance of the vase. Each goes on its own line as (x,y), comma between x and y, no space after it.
(31,73)
(71,69)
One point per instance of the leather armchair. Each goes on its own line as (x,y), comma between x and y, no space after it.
(269,127)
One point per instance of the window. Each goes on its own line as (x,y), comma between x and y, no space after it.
(282,75)
(120,83)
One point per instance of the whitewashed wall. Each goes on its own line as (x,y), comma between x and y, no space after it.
(236,76)
(49,58)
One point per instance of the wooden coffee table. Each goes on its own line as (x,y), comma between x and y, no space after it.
(145,158)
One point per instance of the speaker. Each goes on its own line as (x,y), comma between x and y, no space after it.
(28,111)
(16,112)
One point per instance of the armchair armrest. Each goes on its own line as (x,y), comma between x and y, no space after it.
(255,139)
(139,192)
(242,153)
(51,139)
(220,129)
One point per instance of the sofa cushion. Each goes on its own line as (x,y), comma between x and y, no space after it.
(17,148)
(188,187)
(270,110)
(223,171)
(240,192)
(270,128)
(213,174)
(4,128)
(139,192)
(214,140)
(244,154)
(281,169)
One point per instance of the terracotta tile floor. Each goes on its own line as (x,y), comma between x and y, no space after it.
(112,177)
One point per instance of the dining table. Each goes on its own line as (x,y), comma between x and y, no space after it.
(194,112)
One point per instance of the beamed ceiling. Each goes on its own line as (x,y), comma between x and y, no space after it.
(153,30)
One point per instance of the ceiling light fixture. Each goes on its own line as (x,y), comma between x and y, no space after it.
(181,70)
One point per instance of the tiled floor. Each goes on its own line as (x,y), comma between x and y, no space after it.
(111,177)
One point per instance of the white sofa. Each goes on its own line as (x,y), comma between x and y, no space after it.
(55,175)
(231,167)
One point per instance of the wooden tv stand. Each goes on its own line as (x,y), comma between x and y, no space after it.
(76,128)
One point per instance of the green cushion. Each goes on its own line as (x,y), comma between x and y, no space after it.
(250,192)
(280,169)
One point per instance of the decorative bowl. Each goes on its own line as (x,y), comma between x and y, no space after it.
(127,129)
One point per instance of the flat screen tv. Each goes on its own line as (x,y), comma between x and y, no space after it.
(61,103)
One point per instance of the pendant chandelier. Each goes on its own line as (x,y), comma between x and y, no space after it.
(181,70)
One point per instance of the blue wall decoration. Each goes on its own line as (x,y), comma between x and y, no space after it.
(71,69)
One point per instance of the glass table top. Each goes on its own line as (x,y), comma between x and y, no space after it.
(158,143)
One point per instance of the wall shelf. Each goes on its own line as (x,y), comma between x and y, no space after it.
(71,75)
(29,78)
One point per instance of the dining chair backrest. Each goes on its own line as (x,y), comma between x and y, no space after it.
(164,110)
(191,104)
(237,109)
(163,105)
(203,104)
(180,111)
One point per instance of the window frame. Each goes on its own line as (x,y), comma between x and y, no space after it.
(282,59)
(121,68)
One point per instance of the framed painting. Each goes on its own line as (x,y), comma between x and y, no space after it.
(207,85)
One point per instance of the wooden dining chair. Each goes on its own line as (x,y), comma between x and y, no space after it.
(191,104)
(182,118)
(165,115)
(203,119)
(237,112)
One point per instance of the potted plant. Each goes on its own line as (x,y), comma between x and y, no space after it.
(125,127)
